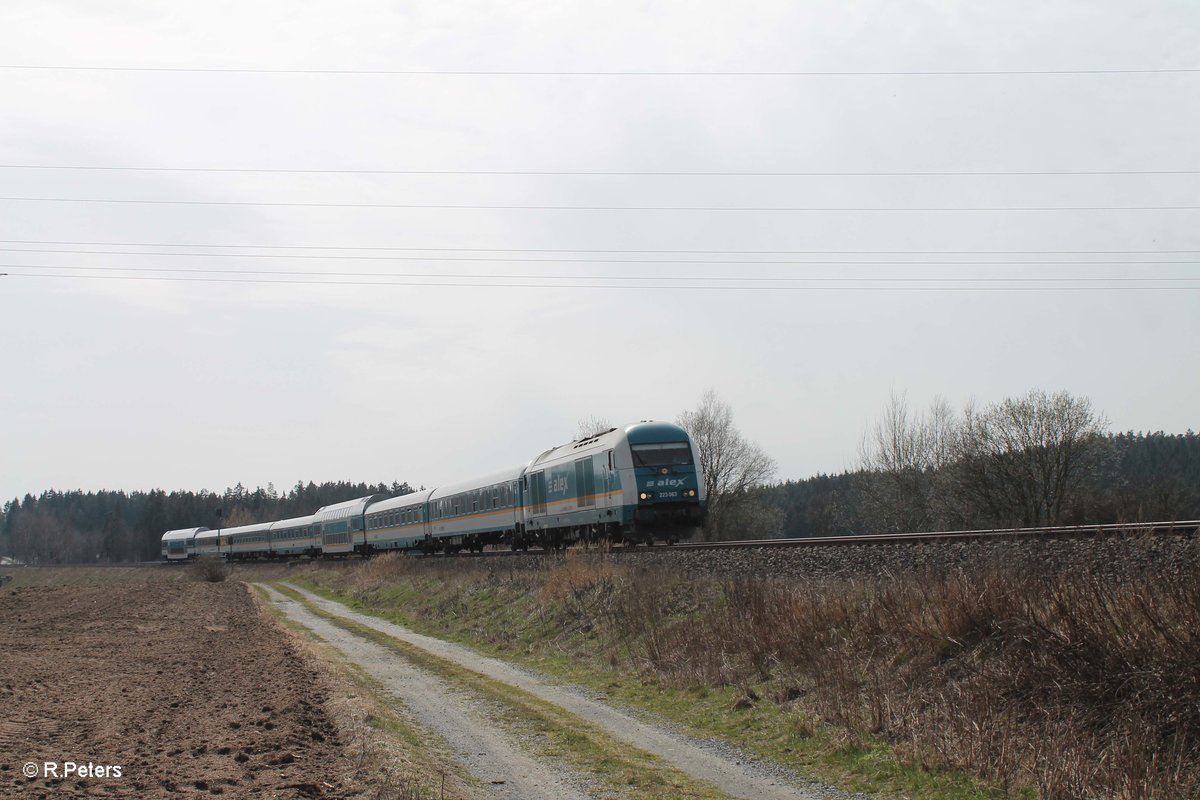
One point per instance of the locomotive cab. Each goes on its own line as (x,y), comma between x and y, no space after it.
(670,502)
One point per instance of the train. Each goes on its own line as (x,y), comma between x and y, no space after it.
(631,485)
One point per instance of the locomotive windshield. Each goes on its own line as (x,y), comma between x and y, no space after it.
(669,454)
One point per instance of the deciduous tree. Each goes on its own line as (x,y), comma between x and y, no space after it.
(902,459)
(733,467)
(1020,460)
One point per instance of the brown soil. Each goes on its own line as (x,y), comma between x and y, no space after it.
(186,686)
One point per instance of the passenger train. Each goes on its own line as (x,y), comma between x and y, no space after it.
(635,484)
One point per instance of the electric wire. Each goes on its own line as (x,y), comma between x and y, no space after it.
(951,286)
(510,276)
(503,207)
(615,173)
(789,262)
(579,250)
(610,73)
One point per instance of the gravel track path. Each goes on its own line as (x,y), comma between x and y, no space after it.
(484,749)
(703,760)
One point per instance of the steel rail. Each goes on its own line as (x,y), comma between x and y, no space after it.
(1184,528)
(1179,528)
(1176,528)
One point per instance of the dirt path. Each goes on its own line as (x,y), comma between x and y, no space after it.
(696,758)
(485,750)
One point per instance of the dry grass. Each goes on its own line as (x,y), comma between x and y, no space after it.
(206,568)
(1077,683)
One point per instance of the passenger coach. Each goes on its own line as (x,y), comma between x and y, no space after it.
(179,545)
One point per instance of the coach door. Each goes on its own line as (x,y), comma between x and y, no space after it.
(611,482)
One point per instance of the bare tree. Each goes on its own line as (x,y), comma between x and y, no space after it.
(733,468)
(1020,460)
(592,425)
(901,459)
(41,538)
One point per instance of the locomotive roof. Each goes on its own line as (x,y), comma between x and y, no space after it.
(649,431)
(644,432)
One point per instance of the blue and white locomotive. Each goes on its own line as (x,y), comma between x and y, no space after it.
(640,483)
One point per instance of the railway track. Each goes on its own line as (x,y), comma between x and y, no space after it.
(1184,528)
(1181,528)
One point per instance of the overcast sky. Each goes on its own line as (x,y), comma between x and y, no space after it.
(200,382)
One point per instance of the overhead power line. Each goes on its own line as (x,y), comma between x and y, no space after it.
(613,73)
(639,278)
(618,173)
(836,284)
(502,207)
(639,261)
(578,250)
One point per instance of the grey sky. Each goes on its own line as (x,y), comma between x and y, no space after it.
(139,384)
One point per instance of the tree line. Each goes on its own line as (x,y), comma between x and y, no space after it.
(115,526)
(1031,461)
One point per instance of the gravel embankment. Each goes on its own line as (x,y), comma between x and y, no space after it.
(1110,555)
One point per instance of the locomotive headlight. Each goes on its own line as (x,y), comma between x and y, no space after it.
(645,495)
(691,492)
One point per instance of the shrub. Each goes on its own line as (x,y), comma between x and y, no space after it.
(206,568)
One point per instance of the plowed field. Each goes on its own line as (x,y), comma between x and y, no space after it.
(184,686)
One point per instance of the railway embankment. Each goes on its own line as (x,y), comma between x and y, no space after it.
(1057,668)
(1116,556)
